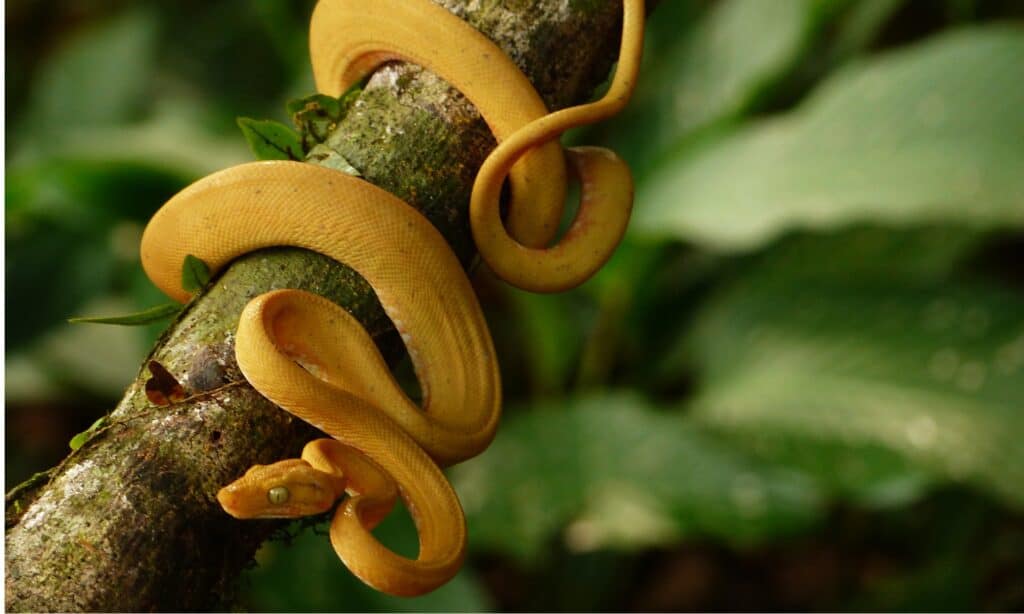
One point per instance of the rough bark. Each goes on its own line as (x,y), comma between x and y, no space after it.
(129,522)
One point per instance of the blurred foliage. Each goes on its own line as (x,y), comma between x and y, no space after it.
(799,384)
(927,133)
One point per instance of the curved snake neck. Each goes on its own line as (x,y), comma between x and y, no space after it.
(313,359)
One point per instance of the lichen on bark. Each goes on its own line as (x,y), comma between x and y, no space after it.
(129,521)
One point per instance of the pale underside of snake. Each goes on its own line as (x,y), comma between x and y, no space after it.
(313,359)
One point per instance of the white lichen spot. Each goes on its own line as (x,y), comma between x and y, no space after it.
(77,470)
(73,482)
(39,510)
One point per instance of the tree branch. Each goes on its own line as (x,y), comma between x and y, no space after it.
(129,522)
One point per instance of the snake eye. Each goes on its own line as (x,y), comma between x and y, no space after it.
(277,495)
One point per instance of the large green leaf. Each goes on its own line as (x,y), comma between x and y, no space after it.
(712,72)
(99,77)
(861,24)
(871,380)
(70,360)
(88,193)
(737,48)
(51,270)
(933,132)
(612,471)
(549,333)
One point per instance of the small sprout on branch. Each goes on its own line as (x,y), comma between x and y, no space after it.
(79,440)
(270,140)
(317,116)
(194,274)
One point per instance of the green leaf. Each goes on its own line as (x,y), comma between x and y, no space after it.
(270,140)
(738,47)
(876,381)
(147,316)
(736,50)
(551,334)
(613,472)
(99,77)
(195,274)
(79,440)
(54,268)
(318,115)
(870,474)
(934,132)
(93,194)
(90,359)
(861,25)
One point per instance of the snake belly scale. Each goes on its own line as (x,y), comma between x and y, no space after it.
(313,359)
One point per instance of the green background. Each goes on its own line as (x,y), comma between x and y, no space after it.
(799,384)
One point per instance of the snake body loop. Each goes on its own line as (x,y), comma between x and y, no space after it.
(313,359)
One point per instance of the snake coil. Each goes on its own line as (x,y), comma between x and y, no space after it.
(310,357)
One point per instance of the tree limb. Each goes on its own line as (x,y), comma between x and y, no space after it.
(129,521)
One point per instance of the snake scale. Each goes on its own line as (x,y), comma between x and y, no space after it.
(310,357)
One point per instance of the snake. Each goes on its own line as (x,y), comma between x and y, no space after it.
(313,359)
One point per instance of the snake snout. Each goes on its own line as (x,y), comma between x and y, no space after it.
(229,500)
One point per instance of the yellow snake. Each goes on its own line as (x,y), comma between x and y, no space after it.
(313,359)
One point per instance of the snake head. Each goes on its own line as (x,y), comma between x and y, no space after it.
(286,489)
